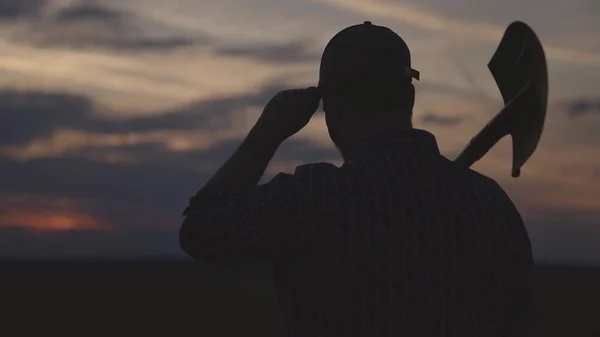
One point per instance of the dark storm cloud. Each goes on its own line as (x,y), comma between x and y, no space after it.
(433,118)
(20,9)
(293,150)
(115,42)
(26,116)
(29,115)
(141,44)
(96,27)
(296,51)
(90,12)
(581,107)
(92,26)
(150,192)
(125,195)
(158,171)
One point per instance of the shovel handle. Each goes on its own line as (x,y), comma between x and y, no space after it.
(504,123)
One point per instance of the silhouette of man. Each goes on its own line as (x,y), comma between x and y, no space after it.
(398,241)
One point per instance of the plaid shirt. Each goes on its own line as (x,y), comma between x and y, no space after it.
(398,241)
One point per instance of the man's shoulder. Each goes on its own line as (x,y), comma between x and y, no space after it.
(469,175)
(490,187)
(484,180)
(496,193)
(472,180)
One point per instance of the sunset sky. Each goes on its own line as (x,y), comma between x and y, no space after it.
(113,113)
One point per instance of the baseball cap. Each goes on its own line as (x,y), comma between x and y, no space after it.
(366,51)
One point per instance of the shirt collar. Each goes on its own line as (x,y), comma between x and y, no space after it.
(413,141)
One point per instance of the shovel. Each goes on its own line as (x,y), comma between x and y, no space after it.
(519,69)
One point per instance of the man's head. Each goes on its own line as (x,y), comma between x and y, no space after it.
(366,82)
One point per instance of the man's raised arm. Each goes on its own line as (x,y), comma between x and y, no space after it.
(232,220)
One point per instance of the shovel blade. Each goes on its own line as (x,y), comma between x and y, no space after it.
(520,61)
(519,69)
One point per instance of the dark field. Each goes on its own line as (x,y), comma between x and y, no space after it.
(190,299)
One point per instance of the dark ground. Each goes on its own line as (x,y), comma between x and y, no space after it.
(194,300)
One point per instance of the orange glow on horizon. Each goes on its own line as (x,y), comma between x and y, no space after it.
(41,213)
(50,221)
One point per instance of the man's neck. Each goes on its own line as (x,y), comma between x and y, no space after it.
(367,129)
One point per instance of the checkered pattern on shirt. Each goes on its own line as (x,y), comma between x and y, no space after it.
(398,241)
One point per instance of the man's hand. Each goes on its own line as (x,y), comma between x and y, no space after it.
(288,112)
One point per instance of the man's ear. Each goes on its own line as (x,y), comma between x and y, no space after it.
(411,96)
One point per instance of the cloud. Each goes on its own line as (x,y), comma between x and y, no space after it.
(145,196)
(130,60)
(28,116)
(452,90)
(136,173)
(428,18)
(433,118)
(144,44)
(580,107)
(90,12)
(19,9)
(296,51)
(115,43)
(147,193)
(91,26)
(84,188)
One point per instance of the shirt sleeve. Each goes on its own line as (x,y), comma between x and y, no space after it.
(231,229)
